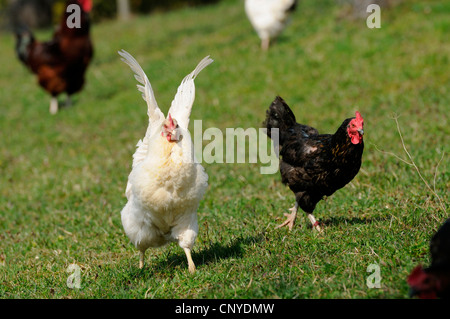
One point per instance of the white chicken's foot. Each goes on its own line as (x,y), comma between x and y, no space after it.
(141,259)
(191,265)
(290,217)
(314,222)
(53,105)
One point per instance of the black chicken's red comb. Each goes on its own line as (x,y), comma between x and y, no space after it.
(416,275)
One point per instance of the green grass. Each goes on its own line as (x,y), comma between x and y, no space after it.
(63,177)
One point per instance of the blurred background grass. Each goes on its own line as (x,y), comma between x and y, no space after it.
(63,177)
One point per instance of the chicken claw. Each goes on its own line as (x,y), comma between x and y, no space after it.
(290,218)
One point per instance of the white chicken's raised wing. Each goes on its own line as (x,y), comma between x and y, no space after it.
(269,17)
(166,183)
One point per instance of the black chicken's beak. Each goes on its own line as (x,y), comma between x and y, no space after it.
(361,132)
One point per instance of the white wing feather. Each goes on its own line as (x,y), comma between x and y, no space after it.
(154,113)
(155,116)
(181,106)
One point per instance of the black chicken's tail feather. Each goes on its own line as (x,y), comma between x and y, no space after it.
(24,38)
(279,116)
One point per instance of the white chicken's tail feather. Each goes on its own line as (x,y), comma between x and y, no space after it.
(201,65)
(181,106)
(154,113)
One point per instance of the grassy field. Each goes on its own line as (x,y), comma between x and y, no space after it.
(62,177)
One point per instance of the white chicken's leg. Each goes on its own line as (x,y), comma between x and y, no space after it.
(53,105)
(290,217)
(191,264)
(314,222)
(265,42)
(141,259)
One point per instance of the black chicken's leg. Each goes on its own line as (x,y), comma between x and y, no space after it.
(314,222)
(293,216)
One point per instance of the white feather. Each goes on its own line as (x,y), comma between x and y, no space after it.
(154,113)
(184,99)
(155,116)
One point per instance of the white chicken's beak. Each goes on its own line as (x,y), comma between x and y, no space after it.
(175,135)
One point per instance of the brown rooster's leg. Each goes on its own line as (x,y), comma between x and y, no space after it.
(53,105)
(141,259)
(68,101)
(314,222)
(290,217)
(191,264)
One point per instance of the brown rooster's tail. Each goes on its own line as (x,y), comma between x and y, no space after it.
(279,116)
(24,38)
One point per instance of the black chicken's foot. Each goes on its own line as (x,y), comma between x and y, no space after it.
(290,218)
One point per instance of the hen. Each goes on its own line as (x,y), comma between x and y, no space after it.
(60,64)
(269,17)
(434,281)
(166,183)
(314,165)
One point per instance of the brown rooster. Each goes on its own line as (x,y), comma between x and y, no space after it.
(434,281)
(314,165)
(60,64)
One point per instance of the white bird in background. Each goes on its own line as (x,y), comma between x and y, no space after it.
(166,183)
(269,17)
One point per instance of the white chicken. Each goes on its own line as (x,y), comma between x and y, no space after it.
(269,17)
(166,182)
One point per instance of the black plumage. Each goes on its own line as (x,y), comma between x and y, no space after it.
(314,165)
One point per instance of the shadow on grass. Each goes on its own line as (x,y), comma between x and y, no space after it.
(217,251)
(335,221)
(213,253)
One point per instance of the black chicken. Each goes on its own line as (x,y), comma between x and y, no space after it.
(434,281)
(314,165)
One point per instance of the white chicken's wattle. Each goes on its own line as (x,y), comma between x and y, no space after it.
(166,183)
(269,17)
